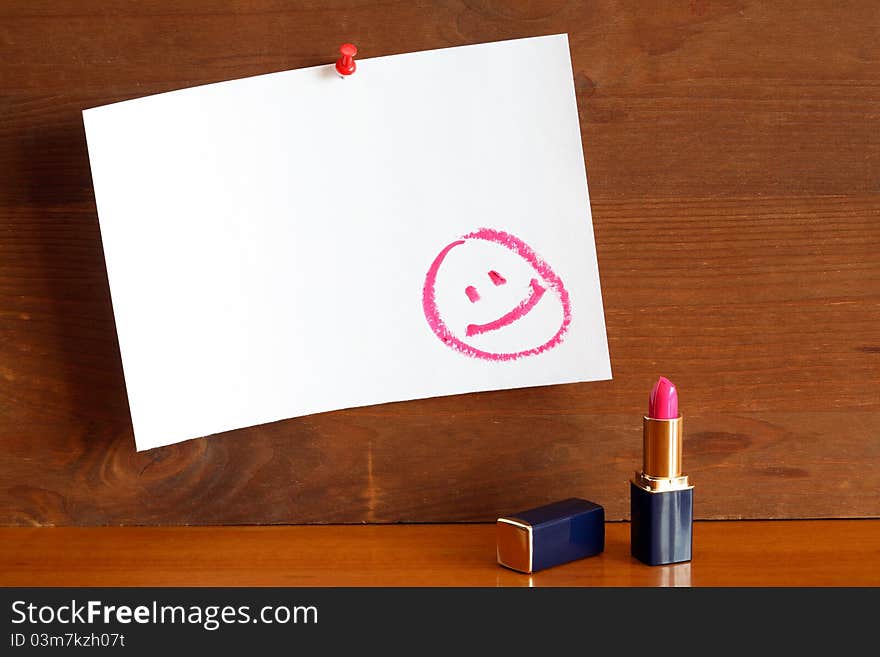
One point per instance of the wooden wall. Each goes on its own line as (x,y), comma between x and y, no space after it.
(733,154)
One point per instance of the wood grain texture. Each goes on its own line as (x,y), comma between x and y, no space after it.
(733,154)
(730,553)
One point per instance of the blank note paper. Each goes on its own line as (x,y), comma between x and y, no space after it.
(296,242)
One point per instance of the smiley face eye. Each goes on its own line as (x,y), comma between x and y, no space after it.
(494,276)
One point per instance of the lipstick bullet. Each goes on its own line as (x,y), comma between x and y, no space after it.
(661,497)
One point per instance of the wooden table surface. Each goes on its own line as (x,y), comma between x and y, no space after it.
(733,156)
(728,553)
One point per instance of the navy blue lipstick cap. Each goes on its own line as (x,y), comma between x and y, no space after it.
(550,535)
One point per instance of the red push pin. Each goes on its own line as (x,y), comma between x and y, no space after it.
(345,65)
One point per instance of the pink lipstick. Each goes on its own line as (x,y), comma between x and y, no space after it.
(661,497)
(663,401)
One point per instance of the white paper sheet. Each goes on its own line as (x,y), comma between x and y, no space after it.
(297,242)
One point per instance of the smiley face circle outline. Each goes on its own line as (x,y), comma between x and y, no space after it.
(512,243)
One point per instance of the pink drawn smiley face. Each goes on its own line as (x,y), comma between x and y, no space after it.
(488,295)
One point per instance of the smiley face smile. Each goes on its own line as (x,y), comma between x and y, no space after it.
(521,310)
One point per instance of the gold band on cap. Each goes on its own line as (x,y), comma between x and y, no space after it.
(515,544)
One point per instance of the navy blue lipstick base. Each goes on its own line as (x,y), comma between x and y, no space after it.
(661,526)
